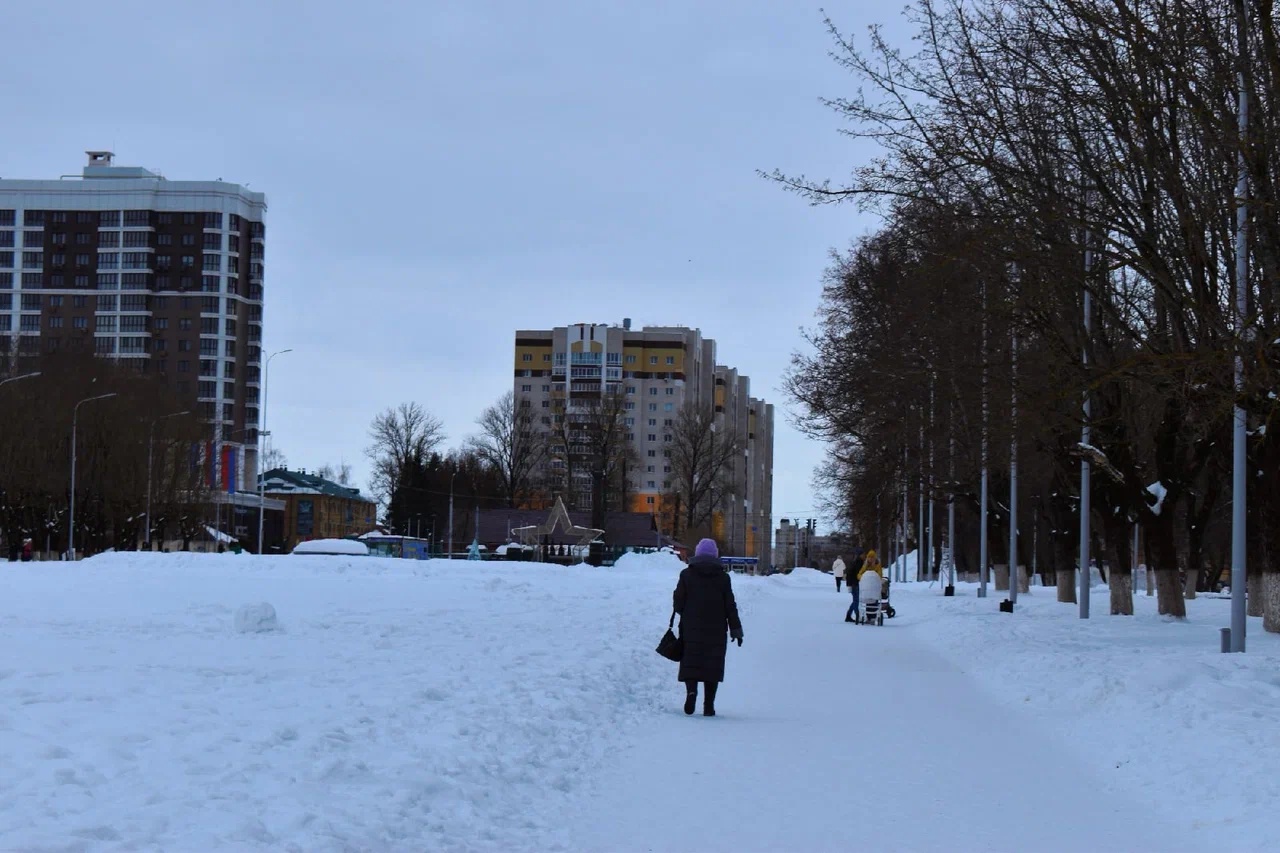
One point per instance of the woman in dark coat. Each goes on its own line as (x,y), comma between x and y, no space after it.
(704,600)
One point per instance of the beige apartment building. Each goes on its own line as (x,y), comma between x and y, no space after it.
(659,369)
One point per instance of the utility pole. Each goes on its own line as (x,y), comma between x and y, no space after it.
(71,521)
(1013,474)
(1086,471)
(983,557)
(1239,496)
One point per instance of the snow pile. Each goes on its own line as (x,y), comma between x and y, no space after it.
(256,619)
(661,562)
(344,547)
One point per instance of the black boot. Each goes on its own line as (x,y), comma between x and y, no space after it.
(709,706)
(691,698)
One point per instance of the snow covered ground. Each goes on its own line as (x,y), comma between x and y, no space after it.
(149,701)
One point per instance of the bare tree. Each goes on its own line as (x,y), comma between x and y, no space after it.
(511,443)
(701,459)
(273,458)
(340,473)
(400,434)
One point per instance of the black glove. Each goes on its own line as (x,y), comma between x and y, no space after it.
(739,639)
(736,635)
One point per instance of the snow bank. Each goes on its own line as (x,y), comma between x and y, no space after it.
(344,547)
(662,562)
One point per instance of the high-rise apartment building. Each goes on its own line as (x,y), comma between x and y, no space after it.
(164,276)
(658,370)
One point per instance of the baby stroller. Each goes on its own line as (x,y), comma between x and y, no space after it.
(885,607)
(870,594)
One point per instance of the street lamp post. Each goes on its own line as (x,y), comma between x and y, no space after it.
(16,378)
(262,435)
(151,442)
(451,479)
(71,522)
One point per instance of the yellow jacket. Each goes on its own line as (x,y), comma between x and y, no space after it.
(871,564)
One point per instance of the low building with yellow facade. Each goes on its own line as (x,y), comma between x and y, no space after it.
(657,369)
(316,508)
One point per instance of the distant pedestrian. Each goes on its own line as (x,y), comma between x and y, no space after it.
(704,600)
(838,569)
(26,550)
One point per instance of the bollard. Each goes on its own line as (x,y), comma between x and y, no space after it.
(1006,606)
(1226,640)
(948,591)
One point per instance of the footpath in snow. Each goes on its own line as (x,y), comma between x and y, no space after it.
(151,701)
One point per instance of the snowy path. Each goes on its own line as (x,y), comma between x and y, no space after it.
(781,766)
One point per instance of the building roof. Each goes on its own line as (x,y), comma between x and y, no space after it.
(282,481)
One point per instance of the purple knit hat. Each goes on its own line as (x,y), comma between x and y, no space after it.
(706,548)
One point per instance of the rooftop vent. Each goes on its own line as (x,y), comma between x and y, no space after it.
(100,158)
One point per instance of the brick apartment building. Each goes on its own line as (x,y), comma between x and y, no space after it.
(659,369)
(164,276)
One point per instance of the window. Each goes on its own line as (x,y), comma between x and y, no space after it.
(653,407)
(526,388)
(108,219)
(652,484)
(212,261)
(208,367)
(631,359)
(628,405)
(546,356)
(208,325)
(104,345)
(213,220)
(162,365)
(184,323)
(133,281)
(160,344)
(6,322)
(107,303)
(209,346)
(133,345)
(136,239)
(631,389)
(207,389)
(668,407)
(162,323)
(184,345)
(6,217)
(229,369)
(188,219)
(32,260)
(653,421)
(210,305)
(229,390)
(666,437)
(653,359)
(545,388)
(649,469)
(79,301)
(30,302)
(629,421)
(107,323)
(32,280)
(108,260)
(108,281)
(671,359)
(209,284)
(631,436)
(527,357)
(82,281)
(133,302)
(666,469)
(108,239)
(6,239)
(33,217)
(6,259)
(188,261)
(652,437)
(229,328)
(163,262)
(164,239)
(133,260)
(653,392)
(164,218)
(184,366)
(58,259)
(6,301)
(652,453)
(137,218)
(133,323)
(83,239)
(213,241)
(59,239)
(55,301)
(233,286)
(546,404)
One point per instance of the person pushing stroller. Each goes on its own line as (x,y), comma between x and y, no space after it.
(865,586)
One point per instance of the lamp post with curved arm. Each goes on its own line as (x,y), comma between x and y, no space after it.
(71,521)
(262,436)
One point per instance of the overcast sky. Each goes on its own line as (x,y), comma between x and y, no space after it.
(441,174)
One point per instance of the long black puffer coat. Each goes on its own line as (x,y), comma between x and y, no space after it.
(704,600)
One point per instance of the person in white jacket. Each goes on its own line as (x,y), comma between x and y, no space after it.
(837,569)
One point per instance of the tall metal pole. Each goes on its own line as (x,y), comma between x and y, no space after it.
(1013,472)
(151,441)
(263,435)
(1086,471)
(932,503)
(451,479)
(951,498)
(983,556)
(921,571)
(1239,577)
(906,515)
(71,520)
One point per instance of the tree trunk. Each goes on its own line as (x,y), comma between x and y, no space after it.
(1254,594)
(1169,595)
(1067,587)
(1189,583)
(1002,577)
(1169,600)
(1024,579)
(1121,586)
(1271,602)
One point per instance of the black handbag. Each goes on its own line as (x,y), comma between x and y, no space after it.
(670,646)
